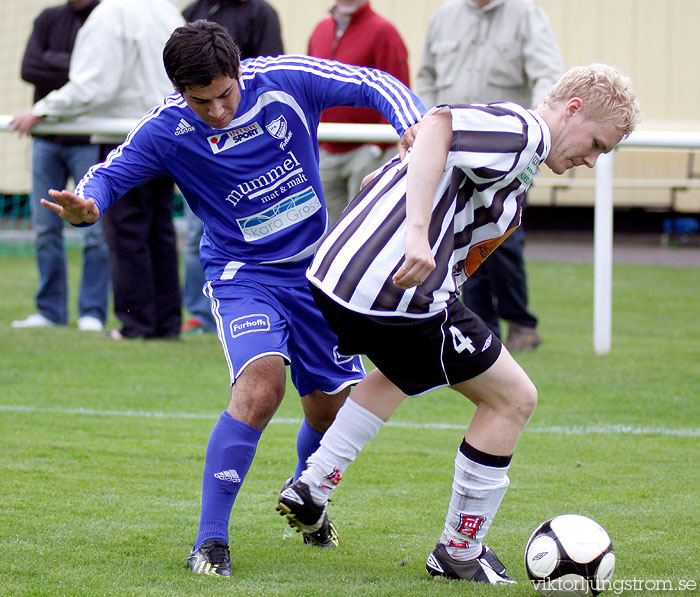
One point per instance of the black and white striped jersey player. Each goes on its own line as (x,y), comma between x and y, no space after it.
(467,208)
(386,279)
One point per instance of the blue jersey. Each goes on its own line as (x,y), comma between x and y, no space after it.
(254,184)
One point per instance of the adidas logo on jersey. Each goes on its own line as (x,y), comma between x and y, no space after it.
(183,127)
(231,476)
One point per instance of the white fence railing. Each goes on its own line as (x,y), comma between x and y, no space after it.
(603,220)
(121,126)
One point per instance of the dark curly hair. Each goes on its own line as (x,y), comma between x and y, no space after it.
(198,53)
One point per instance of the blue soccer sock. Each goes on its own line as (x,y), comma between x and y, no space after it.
(230,452)
(308,441)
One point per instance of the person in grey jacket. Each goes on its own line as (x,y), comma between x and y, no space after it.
(483,51)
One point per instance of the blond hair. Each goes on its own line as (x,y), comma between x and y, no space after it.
(606,92)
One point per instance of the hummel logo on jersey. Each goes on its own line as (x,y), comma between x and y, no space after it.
(231,476)
(183,127)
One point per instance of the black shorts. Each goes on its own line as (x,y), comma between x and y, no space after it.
(417,355)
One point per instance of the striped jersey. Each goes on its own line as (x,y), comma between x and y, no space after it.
(254,184)
(494,154)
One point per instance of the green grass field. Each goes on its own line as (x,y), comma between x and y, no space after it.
(102,446)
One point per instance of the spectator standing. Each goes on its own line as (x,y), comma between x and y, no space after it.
(255,27)
(54,159)
(355,34)
(488,51)
(253,24)
(117,71)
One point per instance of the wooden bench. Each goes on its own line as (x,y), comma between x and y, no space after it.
(555,186)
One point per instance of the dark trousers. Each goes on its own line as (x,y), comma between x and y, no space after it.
(143,260)
(498,288)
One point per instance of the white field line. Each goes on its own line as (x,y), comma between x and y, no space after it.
(564,430)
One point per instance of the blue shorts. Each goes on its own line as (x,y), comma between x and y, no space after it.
(254,320)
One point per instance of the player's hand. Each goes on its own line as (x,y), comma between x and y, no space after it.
(24,122)
(72,208)
(408,138)
(418,262)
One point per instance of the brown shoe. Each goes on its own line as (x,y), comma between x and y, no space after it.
(521,337)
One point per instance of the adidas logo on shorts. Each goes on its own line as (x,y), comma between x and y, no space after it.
(183,127)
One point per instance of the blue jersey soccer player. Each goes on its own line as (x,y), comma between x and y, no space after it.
(240,142)
(386,278)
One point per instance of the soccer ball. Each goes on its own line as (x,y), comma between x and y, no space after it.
(569,555)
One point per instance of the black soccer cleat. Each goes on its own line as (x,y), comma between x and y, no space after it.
(326,536)
(305,516)
(487,568)
(212,558)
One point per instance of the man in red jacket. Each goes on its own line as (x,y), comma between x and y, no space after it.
(355,34)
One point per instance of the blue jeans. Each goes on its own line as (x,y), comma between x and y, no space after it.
(52,166)
(192,296)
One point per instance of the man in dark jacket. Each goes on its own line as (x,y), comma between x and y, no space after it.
(54,160)
(253,24)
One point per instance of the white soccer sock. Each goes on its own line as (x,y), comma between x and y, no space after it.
(353,427)
(477,492)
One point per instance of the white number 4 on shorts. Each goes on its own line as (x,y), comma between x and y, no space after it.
(460,342)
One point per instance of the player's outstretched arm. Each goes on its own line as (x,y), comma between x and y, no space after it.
(71,208)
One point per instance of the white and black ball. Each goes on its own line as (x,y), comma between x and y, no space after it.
(569,555)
